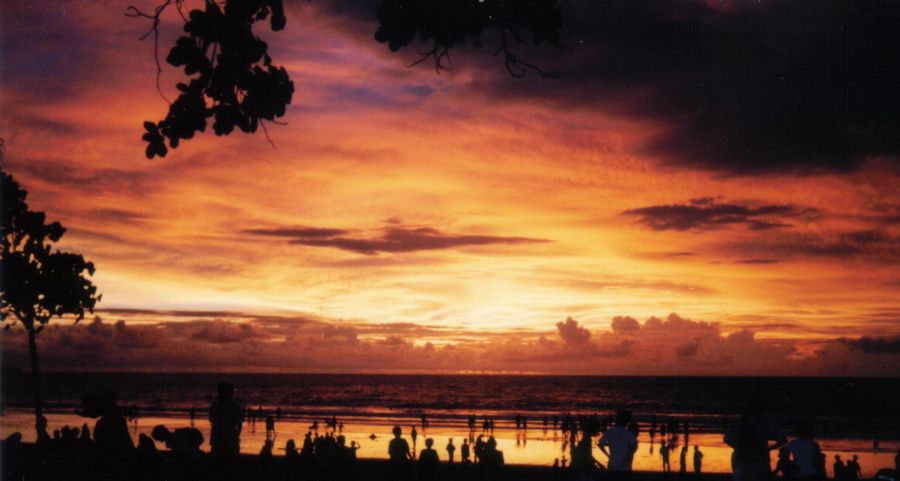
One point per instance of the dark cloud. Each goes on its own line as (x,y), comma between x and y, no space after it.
(869,244)
(625,324)
(297,232)
(347,333)
(744,88)
(223,332)
(706,214)
(117,215)
(101,180)
(688,348)
(757,261)
(388,240)
(237,342)
(875,345)
(572,334)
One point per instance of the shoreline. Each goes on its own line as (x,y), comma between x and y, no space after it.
(534,447)
(250,466)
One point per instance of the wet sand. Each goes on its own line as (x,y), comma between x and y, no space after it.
(534,447)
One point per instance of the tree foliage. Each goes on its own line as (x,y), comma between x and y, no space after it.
(38,281)
(443,24)
(233,81)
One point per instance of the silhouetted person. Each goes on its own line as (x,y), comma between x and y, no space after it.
(491,460)
(464,451)
(414,435)
(749,439)
(113,446)
(450,450)
(854,470)
(193,415)
(839,468)
(185,446)
(146,459)
(226,416)
(682,460)
(619,444)
(399,455)
(806,456)
(291,459)
(265,460)
(783,465)
(664,454)
(584,466)
(479,448)
(270,427)
(428,461)
(698,460)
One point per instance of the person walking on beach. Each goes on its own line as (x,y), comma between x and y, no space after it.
(270,427)
(698,460)
(839,468)
(854,470)
(664,453)
(450,450)
(226,416)
(414,435)
(464,451)
(682,460)
(619,444)
(428,461)
(399,455)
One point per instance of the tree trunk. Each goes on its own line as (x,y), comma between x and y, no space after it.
(36,377)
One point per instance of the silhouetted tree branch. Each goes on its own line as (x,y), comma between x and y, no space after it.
(234,82)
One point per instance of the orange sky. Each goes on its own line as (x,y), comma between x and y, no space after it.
(456,217)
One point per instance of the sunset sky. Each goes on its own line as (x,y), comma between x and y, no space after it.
(703,189)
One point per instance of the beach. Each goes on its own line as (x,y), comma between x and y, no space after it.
(533,447)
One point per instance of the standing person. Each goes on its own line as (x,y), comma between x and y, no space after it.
(450,450)
(664,453)
(854,470)
(414,434)
(270,427)
(805,455)
(619,444)
(399,455)
(698,460)
(750,441)
(226,416)
(584,466)
(464,451)
(784,465)
(428,461)
(840,468)
(113,447)
(682,465)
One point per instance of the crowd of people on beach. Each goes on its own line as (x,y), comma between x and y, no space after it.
(108,453)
